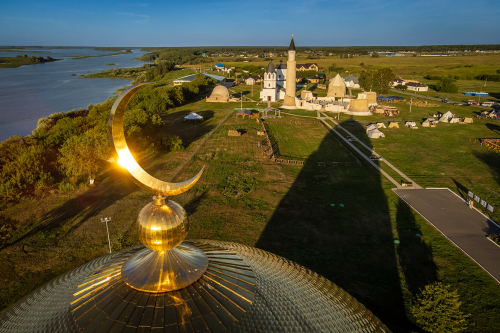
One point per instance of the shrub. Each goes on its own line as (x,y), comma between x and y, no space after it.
(447,84)
(172,142)
(437,309)
(495,238)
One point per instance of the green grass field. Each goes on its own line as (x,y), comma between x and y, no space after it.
(300,141)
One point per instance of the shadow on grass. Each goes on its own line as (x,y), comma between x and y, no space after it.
(114,186)
(353,245)
(188,131)
(492,159)
(494,128)
(85,205)
(462,190)
(192,205)
(415,256)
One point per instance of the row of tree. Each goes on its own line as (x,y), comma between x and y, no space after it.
(337,50)
(37,60)
(482,77)
(68,148)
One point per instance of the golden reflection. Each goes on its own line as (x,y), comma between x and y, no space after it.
(161,225)
(125,158)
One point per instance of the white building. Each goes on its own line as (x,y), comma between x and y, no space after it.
(417,86)
(397,82)
(274,83)
(351,81)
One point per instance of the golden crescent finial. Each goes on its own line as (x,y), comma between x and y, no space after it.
(117,139)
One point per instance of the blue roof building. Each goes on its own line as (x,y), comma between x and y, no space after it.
(189,78)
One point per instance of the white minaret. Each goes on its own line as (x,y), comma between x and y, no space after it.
(290,77)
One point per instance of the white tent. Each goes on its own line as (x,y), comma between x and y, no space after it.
(371,126)
(381,125)
(446,117)
(494,114)
(455,120)
(375,134)
(411,124)
(193,116)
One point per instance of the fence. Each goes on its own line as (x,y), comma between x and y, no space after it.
(269,151)
(481,201)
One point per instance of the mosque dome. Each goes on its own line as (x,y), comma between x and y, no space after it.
(243,290)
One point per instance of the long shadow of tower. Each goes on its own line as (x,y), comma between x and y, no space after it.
(353,245)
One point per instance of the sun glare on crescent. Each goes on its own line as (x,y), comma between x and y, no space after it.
(125,158)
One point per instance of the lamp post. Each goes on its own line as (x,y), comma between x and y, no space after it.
(106,220)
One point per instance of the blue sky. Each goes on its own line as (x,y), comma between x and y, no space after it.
(242,22)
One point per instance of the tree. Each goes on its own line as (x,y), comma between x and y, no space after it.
(402,87)
(375,55)
(437,309)
(447,84)
(25,164)
(84,155)
(379,81)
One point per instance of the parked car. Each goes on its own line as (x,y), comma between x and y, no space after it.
(445,100)
(457,103)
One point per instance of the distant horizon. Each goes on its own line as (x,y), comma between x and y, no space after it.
(303,46)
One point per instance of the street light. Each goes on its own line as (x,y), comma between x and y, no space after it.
(106,220)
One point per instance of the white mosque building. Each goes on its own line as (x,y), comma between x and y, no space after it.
(274,84)
(275,80)
(280,84)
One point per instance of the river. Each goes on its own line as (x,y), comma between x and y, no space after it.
(31,92)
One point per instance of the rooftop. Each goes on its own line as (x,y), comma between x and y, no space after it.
(191,77)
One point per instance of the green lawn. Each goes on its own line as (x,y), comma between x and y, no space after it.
(449,155)
(300,141)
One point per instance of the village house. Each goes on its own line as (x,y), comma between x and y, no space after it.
(397,82)
(351,81)
(313,79)
(307,67)
(252,79)
(417,86)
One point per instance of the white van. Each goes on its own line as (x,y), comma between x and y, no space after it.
(488,104)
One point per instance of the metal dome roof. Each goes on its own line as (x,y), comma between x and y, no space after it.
(220,90)
(244,290)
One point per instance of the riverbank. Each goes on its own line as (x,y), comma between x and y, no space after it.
(18,61)
(102,55)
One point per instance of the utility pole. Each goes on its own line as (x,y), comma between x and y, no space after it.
(106,220)
(411,102)
(241,99)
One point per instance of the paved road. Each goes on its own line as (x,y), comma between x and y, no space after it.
(438,99)
(465,227)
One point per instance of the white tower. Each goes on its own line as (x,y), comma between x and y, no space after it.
(290,77)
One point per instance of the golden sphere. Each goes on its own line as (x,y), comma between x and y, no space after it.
(162,225)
